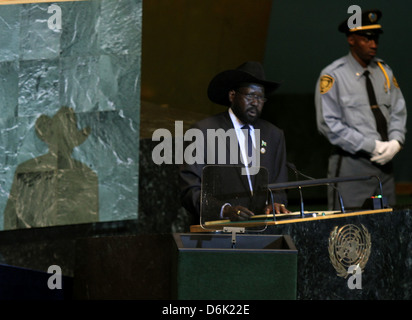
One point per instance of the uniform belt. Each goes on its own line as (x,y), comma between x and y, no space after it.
(341,152)
(387,168)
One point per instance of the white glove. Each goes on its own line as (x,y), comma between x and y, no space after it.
(392,148)
(380,147)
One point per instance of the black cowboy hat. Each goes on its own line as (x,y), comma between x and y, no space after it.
(248,72)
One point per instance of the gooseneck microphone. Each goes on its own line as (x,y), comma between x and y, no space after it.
(293,168)
(297,173)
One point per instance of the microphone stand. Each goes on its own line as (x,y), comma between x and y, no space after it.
(318,182)
(292,167)
(297,173)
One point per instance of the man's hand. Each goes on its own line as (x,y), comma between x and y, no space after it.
(387,152)
(279,208)
(237,213)
(380,147)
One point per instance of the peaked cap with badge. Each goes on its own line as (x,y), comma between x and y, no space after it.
(369,28)
(369,25)
(248,72)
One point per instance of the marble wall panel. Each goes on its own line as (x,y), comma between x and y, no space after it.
(69,112)
(10,33)
(37,41)
(9,93)
(80,36)
(38,88)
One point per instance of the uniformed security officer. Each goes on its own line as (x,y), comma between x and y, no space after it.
(361,111)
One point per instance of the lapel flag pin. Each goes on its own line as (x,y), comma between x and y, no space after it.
(263,144)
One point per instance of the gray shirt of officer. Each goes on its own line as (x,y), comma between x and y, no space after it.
(343,111)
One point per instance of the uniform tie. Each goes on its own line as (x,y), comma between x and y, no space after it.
(379,117)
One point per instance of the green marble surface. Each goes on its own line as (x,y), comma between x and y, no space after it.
(90,66)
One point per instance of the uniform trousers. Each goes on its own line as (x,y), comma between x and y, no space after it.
(354,193)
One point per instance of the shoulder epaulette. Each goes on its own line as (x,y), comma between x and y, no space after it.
(336,65)
(380,64)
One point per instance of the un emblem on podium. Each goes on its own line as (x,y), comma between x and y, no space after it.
(349,245)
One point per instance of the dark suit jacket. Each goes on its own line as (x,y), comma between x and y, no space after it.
(273,159)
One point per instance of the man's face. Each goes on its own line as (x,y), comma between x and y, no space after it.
(247,102)
(363,47)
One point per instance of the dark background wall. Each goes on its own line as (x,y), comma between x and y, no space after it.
(185,43)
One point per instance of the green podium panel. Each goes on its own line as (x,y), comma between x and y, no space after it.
(206,266)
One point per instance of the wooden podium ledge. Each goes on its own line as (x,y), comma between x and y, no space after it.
(294,217)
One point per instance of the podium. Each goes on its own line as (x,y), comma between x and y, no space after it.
(206,266)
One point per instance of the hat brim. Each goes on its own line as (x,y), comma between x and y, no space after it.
(344,28)
(222,83)
(365,31)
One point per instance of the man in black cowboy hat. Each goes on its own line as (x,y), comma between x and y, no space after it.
(244,91)
(361,111)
